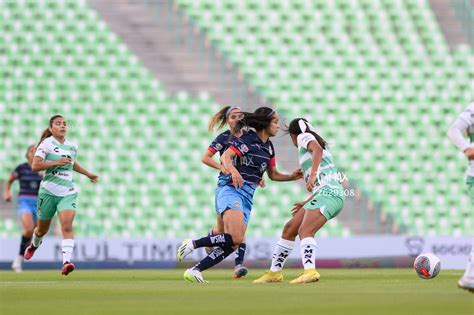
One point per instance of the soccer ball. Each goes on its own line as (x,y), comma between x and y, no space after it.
(427,265)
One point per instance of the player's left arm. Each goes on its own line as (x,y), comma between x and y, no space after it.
(299,205)
(317,155)
(78,168)
(275,175)
(455,134)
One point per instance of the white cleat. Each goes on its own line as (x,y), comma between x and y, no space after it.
(194,276)
(466,283)
(184,249)
(16,265)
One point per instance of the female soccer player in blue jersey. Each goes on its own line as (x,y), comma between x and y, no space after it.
(226,116)
(255,155)
(58,193)
(27,198)
(324,203)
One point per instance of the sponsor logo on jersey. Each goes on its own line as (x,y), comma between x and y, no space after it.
(244,148)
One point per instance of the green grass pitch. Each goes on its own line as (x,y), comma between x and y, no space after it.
(340,291)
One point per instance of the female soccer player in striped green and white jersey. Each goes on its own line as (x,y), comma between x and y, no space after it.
(325,202)
(58,193)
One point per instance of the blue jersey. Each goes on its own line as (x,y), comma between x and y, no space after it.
(221,143)
(29,180)
(254,156)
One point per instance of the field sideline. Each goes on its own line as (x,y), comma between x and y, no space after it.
(340,291)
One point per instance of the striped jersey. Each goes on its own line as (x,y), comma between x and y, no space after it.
(58,180)
(328,174)
(468,116)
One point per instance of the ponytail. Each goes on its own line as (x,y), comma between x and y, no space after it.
(260,119)
(218,118)
(301,125)
(47,133)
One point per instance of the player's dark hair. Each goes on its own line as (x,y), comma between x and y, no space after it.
(295,129)
(28,150)
(47,133)
(260,119)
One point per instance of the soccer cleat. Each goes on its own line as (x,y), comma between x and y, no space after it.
(30,251)
(16,265)
(184,249)
(308,276)
(194,276)
(240,272)
(269,277)
(68,268)
(466,283)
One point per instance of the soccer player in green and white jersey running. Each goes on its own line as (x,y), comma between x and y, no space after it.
(58,192)
(325,202)
(464,124)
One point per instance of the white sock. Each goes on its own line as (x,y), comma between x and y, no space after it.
(469,272)
(68,247)
(308,252)
(282,250)
(36,240)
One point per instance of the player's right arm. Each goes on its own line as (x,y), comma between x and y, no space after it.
(456,135)
(209,161)
(7,194)
(226,159)
(216,145)
(39,164)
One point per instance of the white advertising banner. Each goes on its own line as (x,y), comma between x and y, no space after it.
(453,251)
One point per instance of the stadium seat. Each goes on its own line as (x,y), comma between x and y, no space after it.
(145,144)
(378,80)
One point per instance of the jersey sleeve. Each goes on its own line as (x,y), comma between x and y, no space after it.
(304,139)
(468,114)
(218,143)
(458,128)
(272,156)
(238,146)
(15,174)
(42,150)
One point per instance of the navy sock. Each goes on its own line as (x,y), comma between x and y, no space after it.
(222,240)
(217,255)
(25,241)
(240,254)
